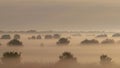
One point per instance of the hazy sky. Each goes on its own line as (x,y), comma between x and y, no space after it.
(60,14)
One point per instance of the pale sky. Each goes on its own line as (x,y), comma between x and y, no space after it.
(60,14)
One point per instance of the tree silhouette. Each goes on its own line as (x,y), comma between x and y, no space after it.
(108,41)
(6,37)
(48,36)
(33,37)
(56,36)
(63,41)
(11,57)
(66,60)
(102,35)
(116,35)
(15,42)
(67,56)
(39,37)
(92,41)
(16,36)
(104,59)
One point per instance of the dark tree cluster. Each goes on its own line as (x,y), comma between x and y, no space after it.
(5,37)
(102,35)
(92,41)
(48,36)
(67,56)
(35,37)
(104,59)
(38,37)
(55,36)
(16,36)
(63,41)
(15,42)
(116,35)
(67,59)
(108,41)
(76,34)
(11,57)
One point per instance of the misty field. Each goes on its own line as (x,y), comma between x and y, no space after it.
(44,53)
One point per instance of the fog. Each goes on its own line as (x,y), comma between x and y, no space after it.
(44,53)
(57,14)
(32,49)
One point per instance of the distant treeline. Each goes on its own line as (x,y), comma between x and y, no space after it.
(54,31)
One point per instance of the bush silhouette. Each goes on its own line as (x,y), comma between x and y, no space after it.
(108,41)
(62,41)
(93,41)
(56,36)
(16,36)
(6,37)
(102,35)
(116,35)
(66,60)
(11,57)
(39,37)
(67,56)
(76,34)
(48,36)
(104,59)
(15,42)
(33,37)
